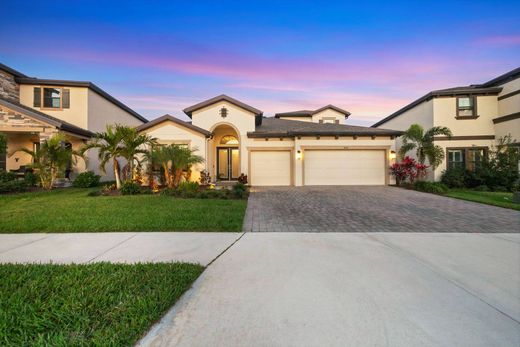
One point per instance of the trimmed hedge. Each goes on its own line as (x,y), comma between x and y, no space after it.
(431,187)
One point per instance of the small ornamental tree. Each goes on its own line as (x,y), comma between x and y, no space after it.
(408,170)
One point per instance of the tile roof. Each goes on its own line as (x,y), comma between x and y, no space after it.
(309,113)
(176,120)
(275,127)
(58,123)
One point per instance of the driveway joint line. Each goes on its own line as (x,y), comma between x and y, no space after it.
(434,269)
(111,248)
(26,244)
(225,250)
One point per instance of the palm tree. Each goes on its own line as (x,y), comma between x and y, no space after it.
(132,145)
(110,148)
(52,158)
(416,138)
(175,160)
(184,158)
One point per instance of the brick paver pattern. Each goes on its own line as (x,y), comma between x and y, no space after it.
(370,209)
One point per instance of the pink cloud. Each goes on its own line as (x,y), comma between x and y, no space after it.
(503,40)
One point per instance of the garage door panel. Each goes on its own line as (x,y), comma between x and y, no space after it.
(344,167)
(270,168)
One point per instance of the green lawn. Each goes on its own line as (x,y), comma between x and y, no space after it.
(87,305)
(491,198)
(71,210)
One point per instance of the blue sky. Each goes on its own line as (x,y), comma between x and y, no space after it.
(370,58)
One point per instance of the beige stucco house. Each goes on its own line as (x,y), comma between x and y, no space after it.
(290,149)
(33,109)
(477,115)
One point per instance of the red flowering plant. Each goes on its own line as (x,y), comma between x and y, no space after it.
(408,169)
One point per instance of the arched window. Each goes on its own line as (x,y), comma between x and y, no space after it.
(228,140)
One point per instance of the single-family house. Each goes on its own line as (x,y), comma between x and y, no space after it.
(294,148)
(33,109)
(478,115)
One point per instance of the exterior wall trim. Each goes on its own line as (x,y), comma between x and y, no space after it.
(461,138)
(505,96)
(507,117)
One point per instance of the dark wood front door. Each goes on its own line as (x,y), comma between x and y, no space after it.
(228,160)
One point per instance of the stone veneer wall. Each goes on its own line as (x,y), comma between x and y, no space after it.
(11,120)
(9,89)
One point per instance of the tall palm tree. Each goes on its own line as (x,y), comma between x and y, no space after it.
(175,160)
(134,145)
(52,158)
(110,148)
(416,138)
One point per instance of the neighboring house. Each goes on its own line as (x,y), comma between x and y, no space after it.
(477,115)
(33,109)
(234,138)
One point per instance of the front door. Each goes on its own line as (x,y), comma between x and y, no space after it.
(227,163)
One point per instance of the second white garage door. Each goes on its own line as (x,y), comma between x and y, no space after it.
(270,168)
(344,167)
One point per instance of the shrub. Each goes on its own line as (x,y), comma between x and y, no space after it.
(431,187)
(188,187)
(95,193)
(15,186)
(239,190)
(482,188)
(86,179)
(6,176)
(407,170)
(454,178)
(31,179)
(130,188)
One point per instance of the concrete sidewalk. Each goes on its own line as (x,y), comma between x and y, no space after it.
(344,289)
(192,247)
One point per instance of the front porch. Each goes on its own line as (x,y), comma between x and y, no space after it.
(27,128)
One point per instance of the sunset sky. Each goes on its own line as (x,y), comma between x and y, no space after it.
(366,57)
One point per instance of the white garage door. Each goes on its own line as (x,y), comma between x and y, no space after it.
(270,168)
(344,167)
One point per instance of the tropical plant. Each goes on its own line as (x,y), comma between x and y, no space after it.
(52,158)
(175,161)
(407,169)
(415,138)
(119,141)
(133,147)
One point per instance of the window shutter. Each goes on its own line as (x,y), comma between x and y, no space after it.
(37,102)
(336,121)
(65,103)
(321,121)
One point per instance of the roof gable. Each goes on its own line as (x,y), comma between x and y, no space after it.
(189,110)
(309,113)
(169,118)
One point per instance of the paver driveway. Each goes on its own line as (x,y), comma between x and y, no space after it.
(370,209)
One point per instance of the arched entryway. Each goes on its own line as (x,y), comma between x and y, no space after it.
(226,149)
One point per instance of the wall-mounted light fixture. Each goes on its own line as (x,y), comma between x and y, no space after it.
(298,154)
(392,155)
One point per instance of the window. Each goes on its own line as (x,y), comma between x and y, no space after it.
(466,106)
(455,158)
(228,140)
(51,97)
(474,158)
(469,158)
